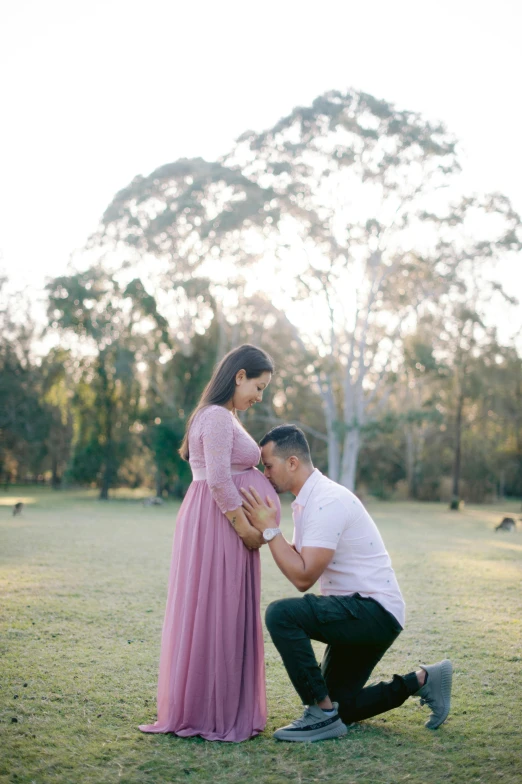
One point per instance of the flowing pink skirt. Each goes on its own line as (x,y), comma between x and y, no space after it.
(212,672)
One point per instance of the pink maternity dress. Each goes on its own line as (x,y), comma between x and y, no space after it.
(212,674)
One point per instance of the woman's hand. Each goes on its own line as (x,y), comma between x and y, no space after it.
(252,539)
(247,533)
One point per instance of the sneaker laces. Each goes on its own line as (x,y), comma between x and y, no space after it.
(302,721)
(429,701)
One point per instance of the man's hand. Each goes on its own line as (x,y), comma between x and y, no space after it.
(259,514)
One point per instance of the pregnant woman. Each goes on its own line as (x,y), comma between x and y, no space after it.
(212,677)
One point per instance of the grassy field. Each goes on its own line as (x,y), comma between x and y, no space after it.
(83,590)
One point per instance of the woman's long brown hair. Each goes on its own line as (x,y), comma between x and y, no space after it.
(220,389)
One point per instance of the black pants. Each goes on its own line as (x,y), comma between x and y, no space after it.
(358,632)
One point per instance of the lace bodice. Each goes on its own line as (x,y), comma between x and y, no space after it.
(216,442)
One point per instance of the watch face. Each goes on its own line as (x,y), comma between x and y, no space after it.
(268,534)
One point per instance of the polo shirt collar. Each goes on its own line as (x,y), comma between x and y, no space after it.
(306,490)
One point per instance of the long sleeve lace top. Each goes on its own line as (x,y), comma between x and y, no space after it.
(216,443)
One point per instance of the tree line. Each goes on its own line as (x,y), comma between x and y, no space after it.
(347,218)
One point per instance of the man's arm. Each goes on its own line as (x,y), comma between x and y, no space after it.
(302,569)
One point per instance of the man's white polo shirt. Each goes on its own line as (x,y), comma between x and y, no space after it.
(328,515)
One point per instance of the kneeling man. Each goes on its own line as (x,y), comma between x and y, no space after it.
(360,611)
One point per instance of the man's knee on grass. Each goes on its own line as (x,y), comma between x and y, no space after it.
(277,616)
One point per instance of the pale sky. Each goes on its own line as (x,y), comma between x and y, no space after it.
(94,92)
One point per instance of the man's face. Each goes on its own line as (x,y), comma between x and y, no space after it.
(277,469)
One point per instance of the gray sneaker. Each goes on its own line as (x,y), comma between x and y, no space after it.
(313,725)
(436,692)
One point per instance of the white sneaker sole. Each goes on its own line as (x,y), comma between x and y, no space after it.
(337,730)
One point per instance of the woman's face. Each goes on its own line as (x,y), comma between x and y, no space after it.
(249,390)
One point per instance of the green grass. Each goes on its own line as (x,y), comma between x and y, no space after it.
(83,591)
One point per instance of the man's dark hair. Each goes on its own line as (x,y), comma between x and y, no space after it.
(288,440)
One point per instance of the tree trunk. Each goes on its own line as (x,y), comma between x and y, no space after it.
(352,445)
(411,474)
(333,456)
(221,349)
(455,493)
(56,478)
(502,485)
(106,479)
(330,416)
(108,468)
(159,484)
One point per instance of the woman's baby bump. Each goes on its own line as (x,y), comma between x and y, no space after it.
(257,480)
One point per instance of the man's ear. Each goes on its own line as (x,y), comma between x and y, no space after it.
(293,463)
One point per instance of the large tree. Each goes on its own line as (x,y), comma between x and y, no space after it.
(360,185)
(111,324)
(57,389)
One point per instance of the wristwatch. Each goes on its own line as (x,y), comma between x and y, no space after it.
(269,533)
